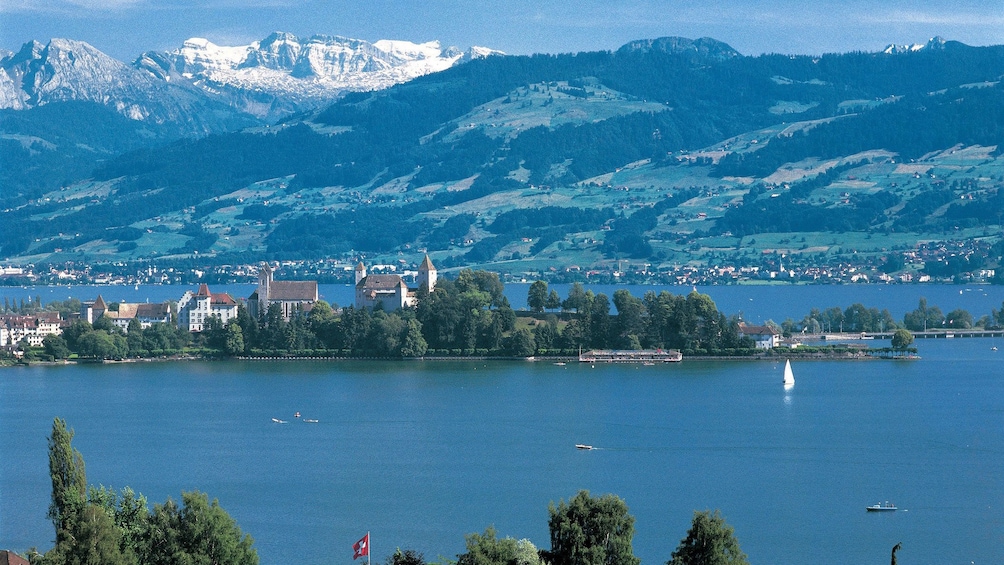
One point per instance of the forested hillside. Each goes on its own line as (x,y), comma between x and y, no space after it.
(663,152)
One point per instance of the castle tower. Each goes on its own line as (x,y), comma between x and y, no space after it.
(360,272)
(264,287)
(427,274)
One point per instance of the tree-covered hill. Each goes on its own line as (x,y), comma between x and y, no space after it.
(666,144)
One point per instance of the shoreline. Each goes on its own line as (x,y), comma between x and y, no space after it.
(863,355)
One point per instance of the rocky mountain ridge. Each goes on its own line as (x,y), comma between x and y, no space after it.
(267,79)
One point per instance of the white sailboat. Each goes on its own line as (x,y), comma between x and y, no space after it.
(789,377)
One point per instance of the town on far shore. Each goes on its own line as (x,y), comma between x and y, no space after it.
(928,262)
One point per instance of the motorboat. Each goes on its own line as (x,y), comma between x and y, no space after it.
(583,446)
(882,507)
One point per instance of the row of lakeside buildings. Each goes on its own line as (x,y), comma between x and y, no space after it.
(195,309)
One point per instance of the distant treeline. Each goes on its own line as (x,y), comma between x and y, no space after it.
(859,318)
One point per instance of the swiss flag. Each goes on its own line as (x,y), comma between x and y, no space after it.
(362,547)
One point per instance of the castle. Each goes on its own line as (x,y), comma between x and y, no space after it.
(390,291)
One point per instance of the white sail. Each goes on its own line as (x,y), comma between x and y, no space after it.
(789,377)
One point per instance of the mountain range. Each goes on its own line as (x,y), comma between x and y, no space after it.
(268,79)
(665,152)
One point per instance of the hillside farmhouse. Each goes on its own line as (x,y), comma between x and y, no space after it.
(291,296)
(194,310)
(390,291)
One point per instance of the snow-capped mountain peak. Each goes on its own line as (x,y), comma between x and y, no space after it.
(935,43)
(283,73)
(67,70)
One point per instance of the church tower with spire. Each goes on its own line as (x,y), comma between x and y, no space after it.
(427,274)
(360,272)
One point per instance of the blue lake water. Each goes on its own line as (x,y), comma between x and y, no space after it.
(422,453)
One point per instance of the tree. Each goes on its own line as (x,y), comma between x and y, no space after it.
(578,298)
(629,322)
(134,337)
(100,344)
(923,318)
(710,541)
(73,333)
(211,535)
(412,342)
(487,549)
(94,541)
(406,557)
(55,347)
(69,480)
(959,319)
(521,343)
(233,343)
(553,300)
(536,297)
(591,531)
(599,321)
(200,532)
(901,339)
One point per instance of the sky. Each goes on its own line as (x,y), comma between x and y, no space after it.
(126,28)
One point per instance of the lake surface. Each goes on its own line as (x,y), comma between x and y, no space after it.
(422,453)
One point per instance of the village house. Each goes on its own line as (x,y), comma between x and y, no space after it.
(194,310)
(33,328)
(390,291)
(291,296)
(764,337)
(146,313)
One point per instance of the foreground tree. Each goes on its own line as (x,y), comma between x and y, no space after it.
(406,557)
(69,480)
(93,540)
(591,531)
(198,532)
(100,528)
(710,541)
(487,549)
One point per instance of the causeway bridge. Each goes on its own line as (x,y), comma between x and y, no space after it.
(929,334)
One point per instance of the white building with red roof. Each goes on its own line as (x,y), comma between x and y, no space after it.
(194,310)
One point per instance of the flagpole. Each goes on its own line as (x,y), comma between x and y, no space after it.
(369,547)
